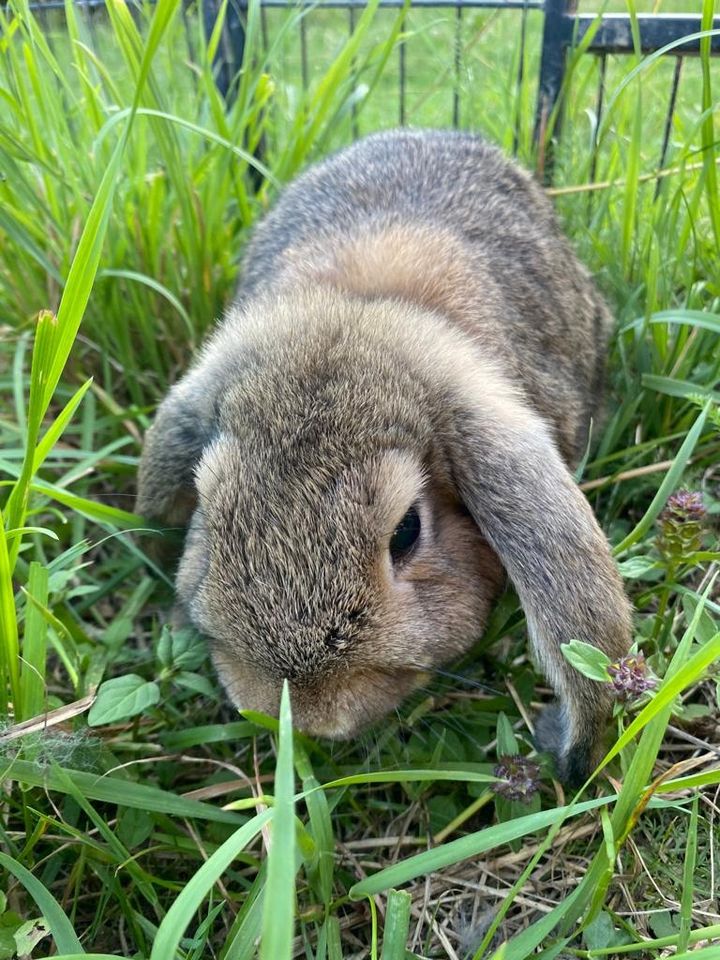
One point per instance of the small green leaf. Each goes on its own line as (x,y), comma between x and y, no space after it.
(121,698)
(189,650)
(8,947)
(9,923)
(134,827)
(664,923)
(692,711)
(164,646)
(600,933)
(638,568)
(587,659)
(197,683)
(506,741)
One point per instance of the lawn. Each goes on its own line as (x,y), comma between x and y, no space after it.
(156,822)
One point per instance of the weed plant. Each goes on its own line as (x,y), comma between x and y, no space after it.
(141,817)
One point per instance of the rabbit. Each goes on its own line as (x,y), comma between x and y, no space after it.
(381,430)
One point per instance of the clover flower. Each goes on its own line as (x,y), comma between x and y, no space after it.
(630,677)
(519,777)
(681,524)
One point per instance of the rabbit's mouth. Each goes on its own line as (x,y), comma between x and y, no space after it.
(356,702)
(336,706)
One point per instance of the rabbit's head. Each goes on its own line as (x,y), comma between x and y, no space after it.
(361,479)
(329,545)
(351,576)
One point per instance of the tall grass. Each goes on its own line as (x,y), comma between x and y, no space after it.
(158,825)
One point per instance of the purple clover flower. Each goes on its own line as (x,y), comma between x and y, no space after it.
(519,777)
(630,676)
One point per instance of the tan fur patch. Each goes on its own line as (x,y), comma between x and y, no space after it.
(425,265)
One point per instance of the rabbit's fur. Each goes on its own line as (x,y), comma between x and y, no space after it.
(411,329)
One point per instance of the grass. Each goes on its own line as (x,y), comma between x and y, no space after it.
(153,822)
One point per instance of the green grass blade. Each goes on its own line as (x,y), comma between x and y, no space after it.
(173,927)
(523,944)
(112,844)
(203,132)
(321,877)
(124,793)
(711,932)
(42,354)
(333,938)
(397,925)
(209,733)
(56,429)
(688,318)
(466,847)
(709,779)
(688,889)
(708,131)
(645,65)
(9,646)
(34,649)
(632,167)
(673,387)
(704,953)
(100,512)
(158,288)
(87,956)
(411,776)
(60,927)
(247,928)
(87,258)
(55,339)
(279,910)
(76,292)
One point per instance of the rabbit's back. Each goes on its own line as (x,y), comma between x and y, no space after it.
(440,178)
(443,219)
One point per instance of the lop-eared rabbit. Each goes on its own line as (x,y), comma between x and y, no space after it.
(381,428)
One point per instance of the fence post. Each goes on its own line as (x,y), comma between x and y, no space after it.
(557,36)
(231,49)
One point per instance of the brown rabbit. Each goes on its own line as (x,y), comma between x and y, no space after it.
(380,428)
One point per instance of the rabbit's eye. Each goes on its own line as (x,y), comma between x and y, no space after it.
(405,536)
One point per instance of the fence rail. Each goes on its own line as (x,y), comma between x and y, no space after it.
(612,34)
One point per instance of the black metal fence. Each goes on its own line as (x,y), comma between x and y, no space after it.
(231,52)
(563,30)
(678,34)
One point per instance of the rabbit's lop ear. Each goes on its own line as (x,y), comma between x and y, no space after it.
(183,427)
(521,495)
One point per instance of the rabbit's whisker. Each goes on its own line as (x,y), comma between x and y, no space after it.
(469,682)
